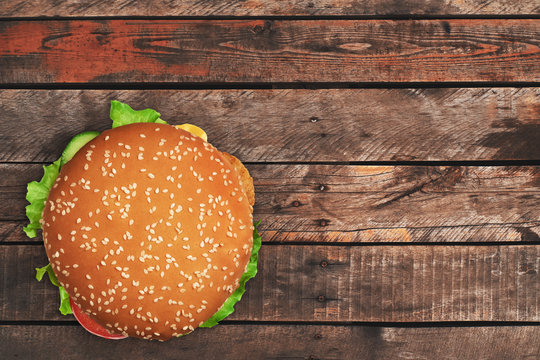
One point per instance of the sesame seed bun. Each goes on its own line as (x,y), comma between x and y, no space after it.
(149,229)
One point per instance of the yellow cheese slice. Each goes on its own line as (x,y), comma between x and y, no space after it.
(195,130)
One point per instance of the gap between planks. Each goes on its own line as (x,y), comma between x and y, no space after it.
(378,324)
(265,85)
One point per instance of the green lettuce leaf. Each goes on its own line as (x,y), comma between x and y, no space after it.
(37,193)
(123,114)
(47,269)
(251,270)
(65,307)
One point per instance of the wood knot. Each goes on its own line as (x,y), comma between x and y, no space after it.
(257,29)
(323,222)
(446,27)
(317,336)
(321,298)
(268,27)
(296,203)
(324,263)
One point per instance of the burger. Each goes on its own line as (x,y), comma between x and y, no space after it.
(148,228)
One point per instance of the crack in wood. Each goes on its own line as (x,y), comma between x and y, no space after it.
(447,179)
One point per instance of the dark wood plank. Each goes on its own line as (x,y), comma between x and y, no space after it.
(24,8)
(281,341)
(330,203)
(11,231)
(269,51)
(340,283)
(295,125)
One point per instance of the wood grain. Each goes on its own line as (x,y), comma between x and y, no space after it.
(293,124)
(524,231)
(114,51)
(340,283)
(281,341)
(11,231)
(345,203)
(24,8)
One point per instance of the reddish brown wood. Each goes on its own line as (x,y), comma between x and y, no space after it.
(329,203)
(295,125)
(340,283)
(18,8)
(269,51)
(282,341)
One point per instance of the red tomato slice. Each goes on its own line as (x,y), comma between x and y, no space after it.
(91,326)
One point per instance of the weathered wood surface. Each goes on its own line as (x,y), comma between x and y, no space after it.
(293,124)
(345,203)
(281,341)
(300,287)
(24,8)
(340,283)
(269,51)
(11,232)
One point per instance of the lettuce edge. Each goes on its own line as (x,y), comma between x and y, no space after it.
(251,270)
(65,306)
(37,194)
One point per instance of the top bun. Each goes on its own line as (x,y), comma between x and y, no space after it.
(149,230)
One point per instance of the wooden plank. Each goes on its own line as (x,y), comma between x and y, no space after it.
(269,51)
(340,283)
(345,203)
(11,231)
(281,341)
(526,231)
(397,204)
(23,8)
(295,125)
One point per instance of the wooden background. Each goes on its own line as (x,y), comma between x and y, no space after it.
(394,145)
